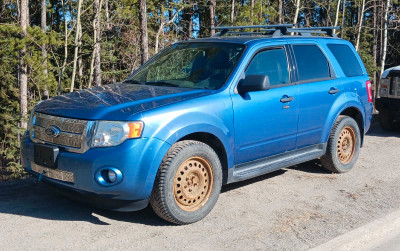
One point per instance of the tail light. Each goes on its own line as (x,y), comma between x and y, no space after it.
(369,90)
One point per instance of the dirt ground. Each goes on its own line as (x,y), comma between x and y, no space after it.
(292,209)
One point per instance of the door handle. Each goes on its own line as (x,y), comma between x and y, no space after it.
(333,90)
(286,99)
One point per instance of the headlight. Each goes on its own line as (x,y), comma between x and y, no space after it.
(32,119)
(112,133)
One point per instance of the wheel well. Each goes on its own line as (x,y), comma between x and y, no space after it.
(215,144)
(357,116)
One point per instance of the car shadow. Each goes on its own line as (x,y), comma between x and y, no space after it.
(236,185)
(30,198)
(377,131)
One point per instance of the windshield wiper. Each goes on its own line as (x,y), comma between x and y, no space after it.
(162,83)
(132,81)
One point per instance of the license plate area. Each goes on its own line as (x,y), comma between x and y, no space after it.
(45,155)
(53,173)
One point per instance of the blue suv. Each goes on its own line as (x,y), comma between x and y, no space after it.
(203,113)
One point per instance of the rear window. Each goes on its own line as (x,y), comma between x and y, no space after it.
(312,64)
(347,60)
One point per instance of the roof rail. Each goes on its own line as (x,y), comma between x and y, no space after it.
(277,30)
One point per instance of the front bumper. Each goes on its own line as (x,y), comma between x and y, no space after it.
(137,159)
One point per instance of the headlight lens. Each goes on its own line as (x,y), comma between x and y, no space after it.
(112,133)
(32,119)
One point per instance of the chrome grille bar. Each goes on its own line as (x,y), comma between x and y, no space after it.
(73,133)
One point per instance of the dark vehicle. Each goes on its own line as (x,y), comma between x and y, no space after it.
(388,101)
(203,113)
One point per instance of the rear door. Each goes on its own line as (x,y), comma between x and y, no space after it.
(318,90)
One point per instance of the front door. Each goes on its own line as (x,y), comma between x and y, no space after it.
(265,122)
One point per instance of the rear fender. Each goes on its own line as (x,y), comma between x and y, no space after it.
(338,107)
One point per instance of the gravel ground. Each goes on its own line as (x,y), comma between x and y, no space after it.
(292,209)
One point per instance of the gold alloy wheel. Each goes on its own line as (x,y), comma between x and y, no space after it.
(193,183)
(346,145)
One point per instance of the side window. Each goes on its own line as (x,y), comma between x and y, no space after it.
(311,63)
(272,63)
(346,59)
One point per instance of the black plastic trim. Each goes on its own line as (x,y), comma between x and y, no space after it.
(266,165)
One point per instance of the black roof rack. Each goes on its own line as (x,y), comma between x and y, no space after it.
(277,30)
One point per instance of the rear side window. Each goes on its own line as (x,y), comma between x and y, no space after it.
(312,64)
(273,63)
(347,60)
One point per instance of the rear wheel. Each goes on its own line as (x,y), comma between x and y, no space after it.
(343,146)
(188,183)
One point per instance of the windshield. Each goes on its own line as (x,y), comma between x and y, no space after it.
(191,65)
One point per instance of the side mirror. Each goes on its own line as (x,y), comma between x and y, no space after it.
(253,83)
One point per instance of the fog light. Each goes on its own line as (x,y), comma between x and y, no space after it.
(108,176)
(112,176)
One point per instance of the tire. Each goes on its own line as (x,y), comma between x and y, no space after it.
(386,120)
(188,183)
(343,146)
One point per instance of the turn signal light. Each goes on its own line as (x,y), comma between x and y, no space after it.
(135,130)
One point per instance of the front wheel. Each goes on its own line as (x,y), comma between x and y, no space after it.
(343,146)
(188,183)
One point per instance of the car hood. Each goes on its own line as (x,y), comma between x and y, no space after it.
(115,101)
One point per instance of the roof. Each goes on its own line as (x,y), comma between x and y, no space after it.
(247,34)
(250,39)
(395,69)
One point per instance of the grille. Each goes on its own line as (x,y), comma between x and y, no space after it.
(72,131)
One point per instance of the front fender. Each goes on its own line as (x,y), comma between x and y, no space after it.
(196,122)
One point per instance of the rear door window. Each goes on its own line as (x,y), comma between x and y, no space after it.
(273,63)
(312,64)
(346,59)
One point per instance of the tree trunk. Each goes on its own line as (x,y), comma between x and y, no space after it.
(44,46)
(374,48)
(161,28)
(343,17)
(280,12)
(80,72)
(23,68)
(385,31)
(77,44)
(91,69)
(59,88)
(296,14)
(232,11)
(212,4)
(381,32)
(187,22)
(337,14)
(97,38)
(252,11)
(106,7)
(328,14)
(360,21)
(144,44)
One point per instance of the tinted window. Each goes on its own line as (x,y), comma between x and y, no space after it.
(311,63)
(346,58)
(272,63)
